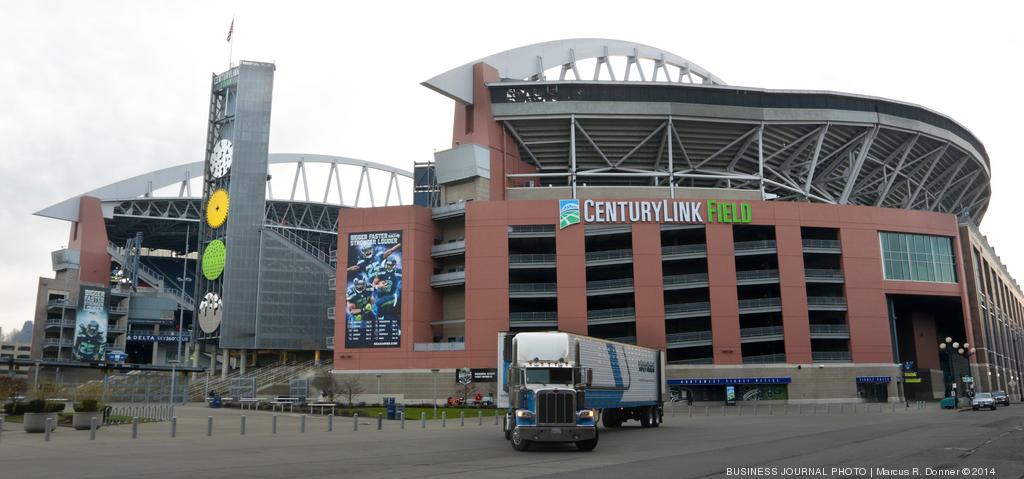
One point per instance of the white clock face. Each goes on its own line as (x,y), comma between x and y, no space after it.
(220,159)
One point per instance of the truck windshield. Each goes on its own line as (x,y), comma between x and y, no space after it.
(548,376)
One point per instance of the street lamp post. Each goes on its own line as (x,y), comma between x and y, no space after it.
(435,371)
(174,376)
(953,351)
(379,398)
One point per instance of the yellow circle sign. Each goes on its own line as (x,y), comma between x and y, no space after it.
(217,208)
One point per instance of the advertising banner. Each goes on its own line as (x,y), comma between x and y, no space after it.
(373,313)
(91,324)
(473,375)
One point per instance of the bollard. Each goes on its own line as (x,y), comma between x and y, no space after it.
(174,426)
(893,407)
(689,411)
(755,409)
(1,427)
(785,409)
(92,428)
(330,422)
(242,426)
(401,418)
(380,421)
(444,418)
(135,427)
(209,426)
(769,409)
(462,418)
(355,421)
(801,408)
(273,424)
(879,408)
(302,424)
(423,420)
(723,410)
(479,418)
(495,417)
(49,425)
(707,411)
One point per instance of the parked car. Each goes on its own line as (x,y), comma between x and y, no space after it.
(981,400)
(1000,397)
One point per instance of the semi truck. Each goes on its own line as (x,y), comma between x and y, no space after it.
(557,386)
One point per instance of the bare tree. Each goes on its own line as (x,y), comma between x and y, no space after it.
(349,386)
(11,387)
(326,383)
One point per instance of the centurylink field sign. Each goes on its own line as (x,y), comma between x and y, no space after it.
(663,211)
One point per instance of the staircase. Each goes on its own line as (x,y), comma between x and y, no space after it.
(301,243)
(265,377)
(154,278)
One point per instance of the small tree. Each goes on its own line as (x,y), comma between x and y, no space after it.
(349,386)
(464,391)
(326,383)
(11,387)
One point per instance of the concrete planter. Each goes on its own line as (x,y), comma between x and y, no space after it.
(36,421)
(81,420)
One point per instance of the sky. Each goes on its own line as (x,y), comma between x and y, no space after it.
(94,92)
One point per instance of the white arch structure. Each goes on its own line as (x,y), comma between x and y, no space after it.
(531,61)
(142,187)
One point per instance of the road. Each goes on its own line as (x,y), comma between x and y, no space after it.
(685,446)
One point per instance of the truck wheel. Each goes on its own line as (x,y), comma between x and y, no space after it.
(610,418)
(589,444)
(645,417)
(655,417)
(504,425)
(518,443)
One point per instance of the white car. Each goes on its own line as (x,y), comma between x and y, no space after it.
(981,400)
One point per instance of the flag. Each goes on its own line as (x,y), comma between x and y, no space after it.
(231,30)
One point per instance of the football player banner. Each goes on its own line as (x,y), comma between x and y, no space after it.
(91,324)
(373,309)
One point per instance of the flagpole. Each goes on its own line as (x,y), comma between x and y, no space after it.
(231,41)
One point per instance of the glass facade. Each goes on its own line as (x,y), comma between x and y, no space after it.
(910,257)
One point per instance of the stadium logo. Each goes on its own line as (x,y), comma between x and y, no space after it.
(568,213)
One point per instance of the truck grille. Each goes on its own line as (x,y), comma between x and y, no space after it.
(556,407)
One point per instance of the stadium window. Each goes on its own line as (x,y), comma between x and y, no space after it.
(910,257)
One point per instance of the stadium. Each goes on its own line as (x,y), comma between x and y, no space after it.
(792,245)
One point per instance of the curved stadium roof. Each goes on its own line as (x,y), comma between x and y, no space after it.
(653,118)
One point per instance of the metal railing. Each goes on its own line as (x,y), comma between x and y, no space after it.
(624,339)
(757,274)
(533,288)
(678,279)
(610,313)
(58,322)
(58,343)
(453,277)
(531,258)
(301,242)
(759,303)
(530,229)
(753,245)
(693,361)
(609,254)
(764,359)
(117,329)
(816,273)
(830,329)
(690,337)
(830,356)
(821,244)
(264,376)
(117,310)
(684,249)
(826,301)
(439,346)
(687,307)
(445,211)
(533,316)
(761,332)
(59,303)
(609,284)
(155,278)
(451,247)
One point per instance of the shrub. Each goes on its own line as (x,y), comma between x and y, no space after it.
(88,405)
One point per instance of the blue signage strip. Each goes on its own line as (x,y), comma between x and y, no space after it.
(725,381)
(873,379)
(162,338)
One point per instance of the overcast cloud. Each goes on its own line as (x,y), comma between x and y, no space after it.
(94,92)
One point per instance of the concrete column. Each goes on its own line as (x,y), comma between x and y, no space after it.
(156,347)
(725,311)
(648,289)
(243,357)
(793,288)
(225,359)
(571,280)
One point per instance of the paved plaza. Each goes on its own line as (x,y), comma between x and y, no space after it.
(702,445)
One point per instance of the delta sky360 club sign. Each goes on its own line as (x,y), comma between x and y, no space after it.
(663,211)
